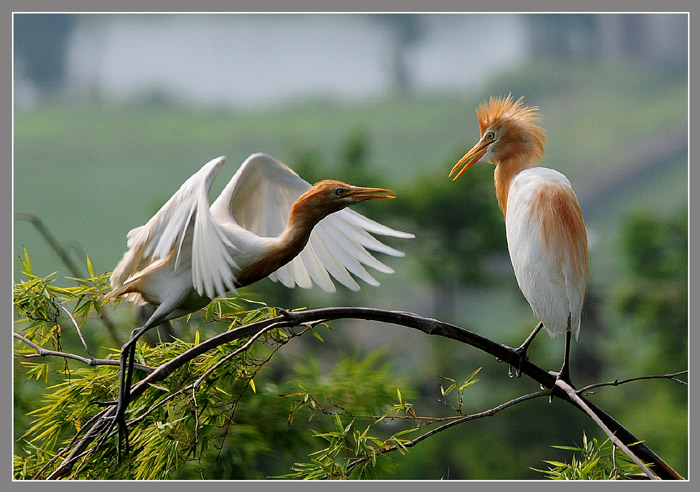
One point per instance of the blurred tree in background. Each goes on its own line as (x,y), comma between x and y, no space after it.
(41,42)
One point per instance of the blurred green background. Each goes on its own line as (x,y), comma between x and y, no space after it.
(95,162)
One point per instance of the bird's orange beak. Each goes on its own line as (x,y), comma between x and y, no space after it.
(359,193)
(470,158)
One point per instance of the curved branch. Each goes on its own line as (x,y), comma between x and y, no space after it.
(426,325)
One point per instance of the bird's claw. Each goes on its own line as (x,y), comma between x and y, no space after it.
(507,347)
(521,352)
(560,376)
(563,376)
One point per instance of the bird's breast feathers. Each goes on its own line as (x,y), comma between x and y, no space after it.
(547,245)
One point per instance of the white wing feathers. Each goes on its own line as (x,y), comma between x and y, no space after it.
(184,217)
(172,222)
(339,243)
(258,198)
(211,260)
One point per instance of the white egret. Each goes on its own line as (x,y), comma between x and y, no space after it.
(544,226)
(267,222)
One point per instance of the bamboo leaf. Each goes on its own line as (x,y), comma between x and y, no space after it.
(316,334)
(89,265)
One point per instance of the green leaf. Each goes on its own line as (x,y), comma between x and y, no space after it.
(89,265)
(315,333)
(568,448)
(470,379)
(556,463)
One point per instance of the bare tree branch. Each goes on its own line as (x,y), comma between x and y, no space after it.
(618,382)
(42,352)
(426,325)
(80,333)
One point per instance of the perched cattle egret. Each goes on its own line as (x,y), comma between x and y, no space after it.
(267,222)
(544,226)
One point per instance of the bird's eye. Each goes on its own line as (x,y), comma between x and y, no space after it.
(490,136)
(339,192)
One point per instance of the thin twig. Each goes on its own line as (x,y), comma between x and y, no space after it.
(42,352)
(618,382)
(465,418)
(230,356)
(65,449)
(157,374)
(572,394)
(80,448)
(50,240)
(195,385)
(80,333)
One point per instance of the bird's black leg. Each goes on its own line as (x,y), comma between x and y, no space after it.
(564,372)
(126,367)
(522,351)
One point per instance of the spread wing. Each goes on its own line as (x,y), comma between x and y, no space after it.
(259,198)
(184,218)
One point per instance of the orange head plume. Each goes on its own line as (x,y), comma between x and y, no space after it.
(507,129)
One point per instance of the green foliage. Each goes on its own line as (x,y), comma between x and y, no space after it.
(461,225)
(39,304)
(232,412)
(656,249)
(223,414)
(595,461)
(358,445)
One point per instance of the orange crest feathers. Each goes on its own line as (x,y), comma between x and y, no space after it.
(506,109)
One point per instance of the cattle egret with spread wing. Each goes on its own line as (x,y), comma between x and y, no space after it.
(267,222)
(544,226)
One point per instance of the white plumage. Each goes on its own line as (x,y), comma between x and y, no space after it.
(544,226)
(553,284)
(201,250)
(267,221)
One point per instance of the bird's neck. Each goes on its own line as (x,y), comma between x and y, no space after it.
(285,247)
(503,175)
(296,234)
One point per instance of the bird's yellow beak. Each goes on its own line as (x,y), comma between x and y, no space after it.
(359,193)
(470,158)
